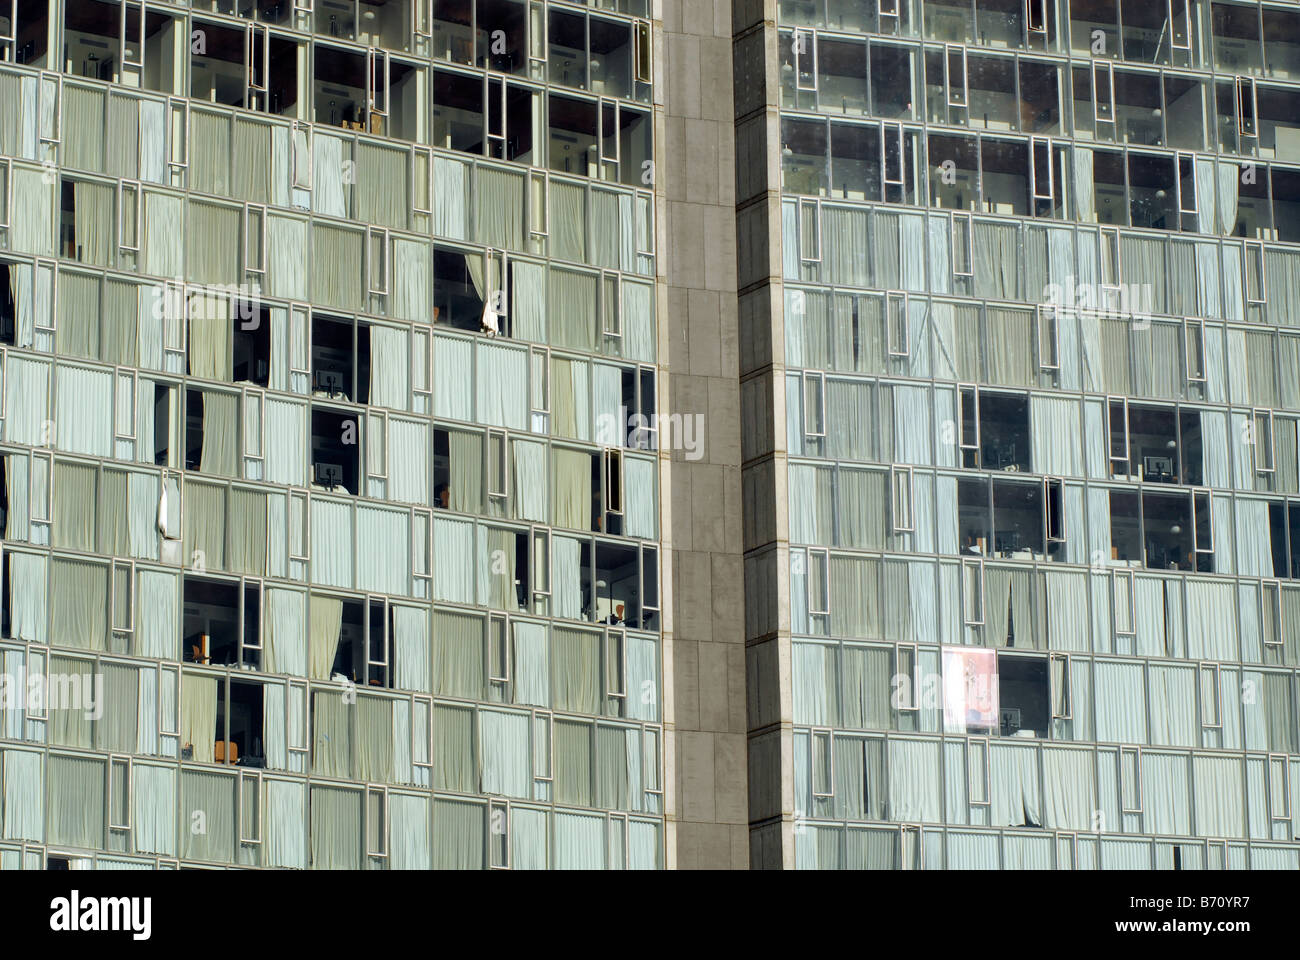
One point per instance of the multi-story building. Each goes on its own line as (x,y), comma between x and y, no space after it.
(333,359)
(1018,289)
(650,433)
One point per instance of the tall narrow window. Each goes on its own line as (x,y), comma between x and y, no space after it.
(1246,124)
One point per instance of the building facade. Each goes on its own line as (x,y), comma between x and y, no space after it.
(1019,381)
(650,434)
(335,346)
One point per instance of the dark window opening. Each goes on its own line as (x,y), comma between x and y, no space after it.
(1168,532)
(33,31)
(573,131)
(211,624)
(251,344)
(1193,457)
(499,20)
(457,296)
(1153,191)
(245,711)
(855,161)
(1003,433)
(458,112)
(1018,514)
(1023,701)
(973,515)
(350,653)
(1153,443)
(335,451)
(1125,528)
(161,425)
(1005,179)
(217,74)
(335,345)
(8,306)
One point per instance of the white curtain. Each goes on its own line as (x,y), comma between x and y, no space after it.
(331,542)
(530,476)
(505,754)
(199,716)
(566,584)
(286,815)
(450,207)
(285,631)
(1082,168)
(1056,435)
(1228,189)
(157,626)
(326,621)
(389,368)
(452,359)
(453,573)
(502,378)
(411,647)
(84,410)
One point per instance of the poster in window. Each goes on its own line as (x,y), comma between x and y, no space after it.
(970,689)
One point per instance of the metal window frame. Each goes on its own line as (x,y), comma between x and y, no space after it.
(611,304)
(302,496)
(7,185)
(911,654)
(1171,18)
(1047,320)
(547,718)
(490,81)
(642,51)
(818,378)
(1272,761)
(815,205)
(1253,253)
(1190,159)
(1103,112)
(499,646)
(544,353)
(826,735)
(1117,576)
(1033,7)
(255,776)
(300,313)
(1064,660)
(966,232)
(949,51)
(1122,401)
(1273,587)
(1246,95)
(244,584)
(1212,669)
(422,560)
(375,422)
(12,35)
(644,200)
(386,640)
(542,14)
(253,396)
(963,442)
(887,130)
(255,264)
(422,19)
(918,863)
(611,476)
(123,187)
(421,159)
(129,567)
(52,268)
(1194,337)
(46,500)
(257,46)
(302,165)
(615,646)
(1262,421)
(115,760)
(823,599)
(125,376)
(123,40)
(798,37)
(539,534)
(36,708)
(1072,839)
(1196,495)
(902,516)
(1135,751)
(982,744)
(178,109)
(378,77)
(1056,484)
(381,235)
(498,482)
(503,805)
(651,748)
(977,565)
(163,719)
(379,790)
(887,8)
(603,104)
(536,176)
(898,300)
(1035,145)
(648,558)
(1111,290)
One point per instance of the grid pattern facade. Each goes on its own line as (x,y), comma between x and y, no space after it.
(1039,265)
(330,466)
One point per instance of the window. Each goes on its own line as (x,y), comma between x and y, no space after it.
(1024,701)
(335,451)
(221,622)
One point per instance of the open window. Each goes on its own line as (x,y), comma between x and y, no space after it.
(1153,443)
(1168,531)
(212,430)
(221,622)
(244,67)
(1006,186)
(1024,696)
(335,451)
(995,430)
(626,586)
(974,517)
(340,359)
(1153,191)
(1019,515)
(1125,528)
(241,724)
(458,289)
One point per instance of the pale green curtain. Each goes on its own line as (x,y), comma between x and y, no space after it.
(453,749)
(336,824)
(576,682)
(332,744)
(326,622)
(76,801)
(458,655)
(199,716)
(80,617)
(572,489)
(458,834)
